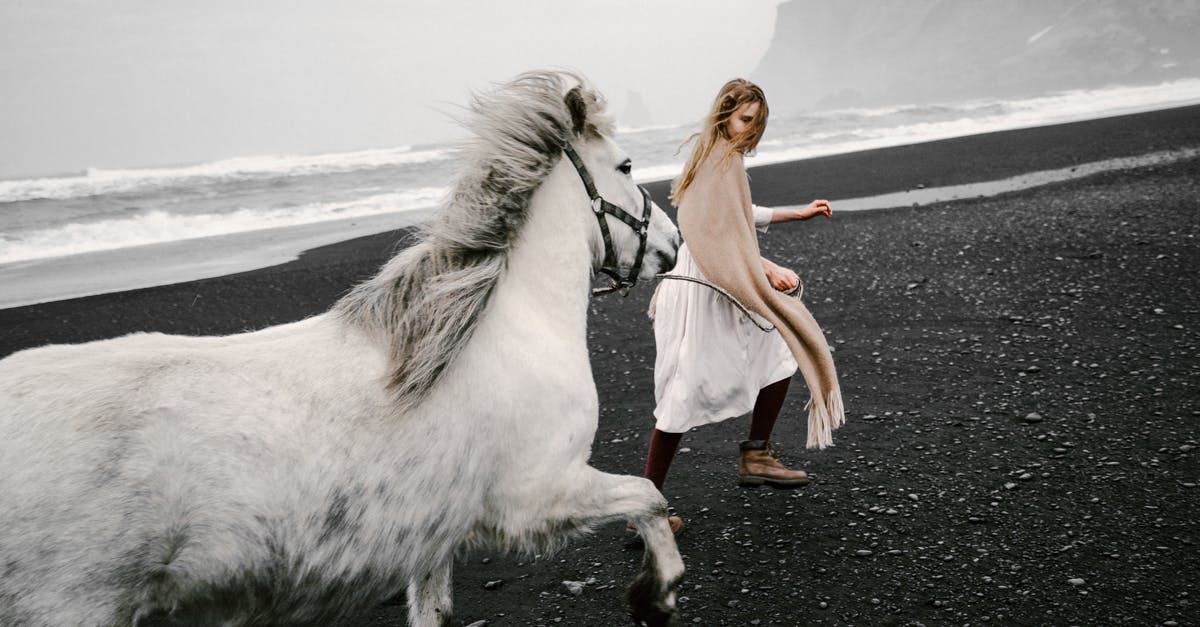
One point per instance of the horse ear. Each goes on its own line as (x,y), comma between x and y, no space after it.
(578,108)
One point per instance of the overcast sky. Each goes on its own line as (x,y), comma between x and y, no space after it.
(134,83)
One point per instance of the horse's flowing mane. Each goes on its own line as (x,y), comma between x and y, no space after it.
(427,300)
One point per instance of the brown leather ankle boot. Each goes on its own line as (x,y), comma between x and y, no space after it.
(757,466)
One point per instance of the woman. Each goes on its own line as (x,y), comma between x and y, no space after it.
(713,361)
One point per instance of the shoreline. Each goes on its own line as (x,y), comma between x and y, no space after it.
(988,189)
(879,178)
(167,263)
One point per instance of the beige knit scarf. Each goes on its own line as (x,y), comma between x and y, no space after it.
(717,223)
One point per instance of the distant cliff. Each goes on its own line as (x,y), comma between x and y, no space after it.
(871,52)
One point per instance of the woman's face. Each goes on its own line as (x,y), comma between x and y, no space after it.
(742,118)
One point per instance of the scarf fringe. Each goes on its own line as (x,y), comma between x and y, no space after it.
(823,419)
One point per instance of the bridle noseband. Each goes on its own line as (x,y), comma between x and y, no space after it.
(600,206)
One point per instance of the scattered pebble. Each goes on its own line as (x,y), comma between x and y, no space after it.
(1076,581)
(1033,417)
(493,585)
(574,588)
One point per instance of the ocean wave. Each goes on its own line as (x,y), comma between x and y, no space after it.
(976,117)
(101,181)
(1076,102)
(1081,103)
(822,134)
(657,172)
(633,130)
(654,151)
(159,226)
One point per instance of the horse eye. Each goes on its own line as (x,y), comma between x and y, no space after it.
(626,167)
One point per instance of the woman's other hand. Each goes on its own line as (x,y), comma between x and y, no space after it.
(779,277)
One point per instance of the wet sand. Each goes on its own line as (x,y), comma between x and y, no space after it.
(1020,372)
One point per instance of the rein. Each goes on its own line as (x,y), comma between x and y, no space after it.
(750,315)
(600,207)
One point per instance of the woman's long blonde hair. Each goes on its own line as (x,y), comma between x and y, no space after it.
(732,96)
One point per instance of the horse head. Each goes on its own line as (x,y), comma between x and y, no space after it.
(633,238)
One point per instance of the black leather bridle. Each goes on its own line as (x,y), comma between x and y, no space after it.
(600,207)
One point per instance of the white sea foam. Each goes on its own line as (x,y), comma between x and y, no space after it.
(823,133)
(1027,180)
(163,216)
(657,172)
(159,226)
(1077,103)
(1053,109)
(97,181)
(633,130)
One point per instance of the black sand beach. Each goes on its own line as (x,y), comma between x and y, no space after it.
(1021,379)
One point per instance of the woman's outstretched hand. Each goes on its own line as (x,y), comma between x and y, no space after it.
(815,208)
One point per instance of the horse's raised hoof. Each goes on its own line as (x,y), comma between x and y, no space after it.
(651,603)
(653,619)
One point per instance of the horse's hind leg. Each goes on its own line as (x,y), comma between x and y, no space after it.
(604,497)
(429,597)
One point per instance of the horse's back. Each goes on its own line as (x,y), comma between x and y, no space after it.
(66,431)
(52,391)
(84,407)
(124,458)
(62,382)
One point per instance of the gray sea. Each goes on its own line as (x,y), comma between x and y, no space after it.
(46,221)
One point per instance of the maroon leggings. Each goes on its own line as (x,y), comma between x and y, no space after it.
(766,409)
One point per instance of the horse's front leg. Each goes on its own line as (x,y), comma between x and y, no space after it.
(652,595)
(606,497)
(430,601)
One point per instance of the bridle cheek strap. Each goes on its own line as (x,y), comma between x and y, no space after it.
(601,207)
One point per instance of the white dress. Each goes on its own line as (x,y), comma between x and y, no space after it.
(711,359)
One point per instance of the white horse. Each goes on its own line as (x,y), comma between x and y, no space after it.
(299,473)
